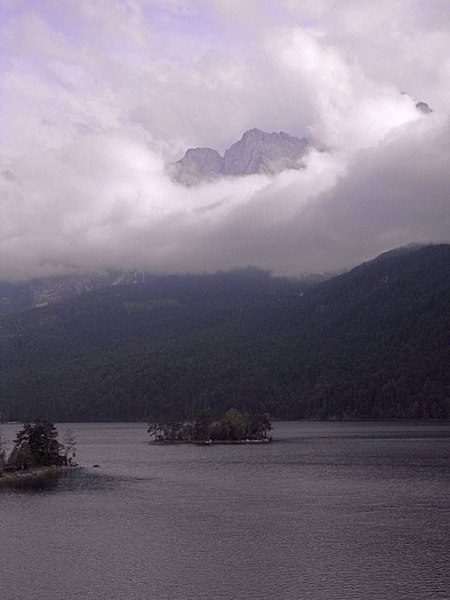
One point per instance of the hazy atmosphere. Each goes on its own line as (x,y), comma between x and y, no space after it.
(98,96)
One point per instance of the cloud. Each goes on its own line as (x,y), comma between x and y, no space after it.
(97,96)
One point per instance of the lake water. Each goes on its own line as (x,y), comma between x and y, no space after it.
(330,511)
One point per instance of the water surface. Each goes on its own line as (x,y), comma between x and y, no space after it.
(344,511)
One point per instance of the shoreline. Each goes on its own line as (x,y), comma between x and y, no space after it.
(211,442)
(34,473)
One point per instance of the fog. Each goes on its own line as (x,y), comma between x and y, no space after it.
(96,97)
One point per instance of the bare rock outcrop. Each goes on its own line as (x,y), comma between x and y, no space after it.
(256,152)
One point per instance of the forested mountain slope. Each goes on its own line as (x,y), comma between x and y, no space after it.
(372,343)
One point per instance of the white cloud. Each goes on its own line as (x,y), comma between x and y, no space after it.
(96,96)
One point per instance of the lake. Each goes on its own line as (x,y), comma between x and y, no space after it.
(328,511)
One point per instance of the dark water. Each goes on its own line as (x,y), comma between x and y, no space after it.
(330,511)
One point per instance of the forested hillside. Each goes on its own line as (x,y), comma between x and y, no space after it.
(372,343)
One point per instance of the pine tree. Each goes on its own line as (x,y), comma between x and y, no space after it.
(36,445)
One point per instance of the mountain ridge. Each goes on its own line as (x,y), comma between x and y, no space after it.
(371,343)
(256,152)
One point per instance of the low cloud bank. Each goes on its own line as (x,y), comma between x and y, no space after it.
(100,96)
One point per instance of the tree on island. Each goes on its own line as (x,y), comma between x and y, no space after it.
(70,448)
(2,452)
(234,426)
(36,445)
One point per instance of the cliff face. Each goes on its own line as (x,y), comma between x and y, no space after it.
(260,152)
(198,164)
(256,152)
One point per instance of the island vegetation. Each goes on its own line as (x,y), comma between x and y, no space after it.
(232,427)
(35,450)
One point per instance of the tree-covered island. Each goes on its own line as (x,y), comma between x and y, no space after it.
(233,427)
(36,450)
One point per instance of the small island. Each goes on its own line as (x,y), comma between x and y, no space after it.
(233,427)
(36,452)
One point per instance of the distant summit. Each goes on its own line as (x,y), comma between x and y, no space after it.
(261,152)
(423,108)
(256,152)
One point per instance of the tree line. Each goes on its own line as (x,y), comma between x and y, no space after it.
(233,426)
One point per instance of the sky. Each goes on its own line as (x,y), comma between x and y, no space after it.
(98,96)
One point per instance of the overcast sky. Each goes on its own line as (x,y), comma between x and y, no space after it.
(97,95)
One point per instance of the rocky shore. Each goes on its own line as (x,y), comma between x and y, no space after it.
(10,477)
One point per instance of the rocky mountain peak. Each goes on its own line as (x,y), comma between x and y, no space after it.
(261,152)
(423,107)
(256,152)
(254,134)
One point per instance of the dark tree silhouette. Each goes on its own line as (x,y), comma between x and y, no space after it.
(37,445)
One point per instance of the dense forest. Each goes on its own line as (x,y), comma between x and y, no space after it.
(371,343)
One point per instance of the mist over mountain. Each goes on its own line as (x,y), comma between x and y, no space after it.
(39,292)
(137,135)
(371,343)
(256,152)
(213,211)
(99,102)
